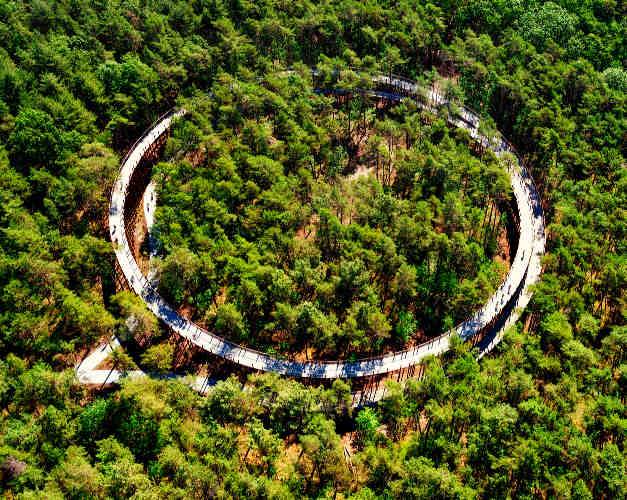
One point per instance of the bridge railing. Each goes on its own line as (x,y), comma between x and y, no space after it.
(165,115)
(153,292)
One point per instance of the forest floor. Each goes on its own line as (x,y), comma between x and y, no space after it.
(504,254)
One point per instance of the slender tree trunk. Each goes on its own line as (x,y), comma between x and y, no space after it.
(485,215)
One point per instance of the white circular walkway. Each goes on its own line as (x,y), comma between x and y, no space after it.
(510,298)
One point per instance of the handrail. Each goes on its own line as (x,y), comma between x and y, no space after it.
(141,138)
(145,133)
(151,295)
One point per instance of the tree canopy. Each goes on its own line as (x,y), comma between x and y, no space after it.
(321,225)
(259,164)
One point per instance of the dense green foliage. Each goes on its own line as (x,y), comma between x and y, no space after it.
(270,243)
(544,417)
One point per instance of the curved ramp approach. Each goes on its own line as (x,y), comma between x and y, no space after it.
(501,310)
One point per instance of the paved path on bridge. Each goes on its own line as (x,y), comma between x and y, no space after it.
(509,297)
(88,373)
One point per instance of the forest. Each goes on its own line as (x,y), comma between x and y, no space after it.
(272,236)
(269,242)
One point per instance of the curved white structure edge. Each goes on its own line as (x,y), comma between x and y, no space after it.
(525,268)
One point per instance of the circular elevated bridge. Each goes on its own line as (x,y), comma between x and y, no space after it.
(485,327)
